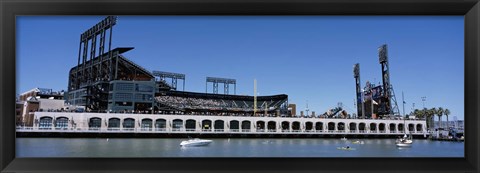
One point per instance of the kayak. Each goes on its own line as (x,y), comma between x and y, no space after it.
(345,148)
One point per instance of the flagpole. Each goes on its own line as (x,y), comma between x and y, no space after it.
(403,101)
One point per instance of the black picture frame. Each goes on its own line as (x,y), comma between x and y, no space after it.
(9,9)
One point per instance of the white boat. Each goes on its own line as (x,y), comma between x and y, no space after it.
(343,139)
(195,142)
(358,142)
(406,141)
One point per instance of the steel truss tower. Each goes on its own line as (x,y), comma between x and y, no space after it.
(356,75)
(389,93)
(226,83)
(174,76)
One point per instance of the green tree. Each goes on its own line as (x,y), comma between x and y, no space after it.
(418,114)
(440,114)
(431,113)
(447,112)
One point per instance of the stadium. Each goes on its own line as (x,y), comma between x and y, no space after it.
(111,82)
(110,94)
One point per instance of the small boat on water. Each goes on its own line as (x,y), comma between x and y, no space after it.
(345,148)
(358,142)
(195,142)
(406,141)
(343,139)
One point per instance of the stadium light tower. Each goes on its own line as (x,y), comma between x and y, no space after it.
(360,105)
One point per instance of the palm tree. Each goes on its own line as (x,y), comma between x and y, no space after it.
(427,114)
(418,114)
(440,114)
(432,112)
(447,112)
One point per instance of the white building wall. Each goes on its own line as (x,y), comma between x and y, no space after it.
(53,104)
(81,121)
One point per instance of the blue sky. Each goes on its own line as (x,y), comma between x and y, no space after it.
(310,58)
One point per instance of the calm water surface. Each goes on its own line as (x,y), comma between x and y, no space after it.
(234,147)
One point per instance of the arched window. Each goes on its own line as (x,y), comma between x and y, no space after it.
(373,127)
(308,126)
(361,127)
(392,128)
(146,124)
(206,125)
(331,126)
(219,125)
(285,126)
(234,125)
(114,123)
(160,124)
(45,123)
(353,126)
(319,126)
(190,125)
(419,127)
(61,123)
(246,125)
(296,126)
(272,126)
(341,126)
(177,124)
(411,127)
(401,128)
(95,123)
(260,125)
(381,127)
(129,123)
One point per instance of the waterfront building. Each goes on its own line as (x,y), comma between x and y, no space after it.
(37,99)
(168,124)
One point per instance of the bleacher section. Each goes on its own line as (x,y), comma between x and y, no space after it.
(201,102)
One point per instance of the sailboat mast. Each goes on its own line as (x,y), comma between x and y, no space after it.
(403,101)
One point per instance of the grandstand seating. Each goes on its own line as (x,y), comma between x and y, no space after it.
(188,101)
